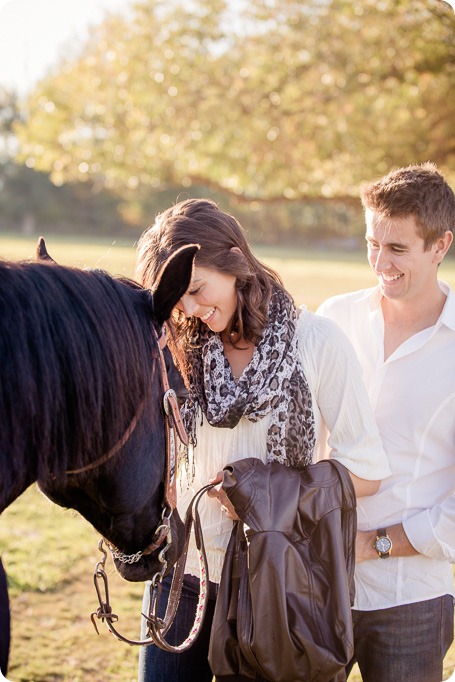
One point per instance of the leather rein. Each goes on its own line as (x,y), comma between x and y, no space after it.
(158,627)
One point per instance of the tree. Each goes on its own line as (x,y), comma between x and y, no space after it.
(282,99)
(9,116)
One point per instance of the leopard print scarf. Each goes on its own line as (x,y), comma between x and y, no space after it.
(273,381)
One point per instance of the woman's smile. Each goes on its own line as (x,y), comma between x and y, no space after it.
(207,316)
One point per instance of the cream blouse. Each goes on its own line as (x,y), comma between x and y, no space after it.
(344,425)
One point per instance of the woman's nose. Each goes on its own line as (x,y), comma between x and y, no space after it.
(187,305)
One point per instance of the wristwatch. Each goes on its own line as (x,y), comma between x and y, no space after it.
(383,544)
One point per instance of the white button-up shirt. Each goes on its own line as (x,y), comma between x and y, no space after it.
(344,426)
(413,397)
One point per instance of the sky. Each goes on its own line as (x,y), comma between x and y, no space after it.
(34,33)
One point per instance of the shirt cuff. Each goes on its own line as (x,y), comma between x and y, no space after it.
(420,533)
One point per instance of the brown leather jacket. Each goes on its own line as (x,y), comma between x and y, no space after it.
(283,610)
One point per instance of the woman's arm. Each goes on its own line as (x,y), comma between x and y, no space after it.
(363,486)
(334,376)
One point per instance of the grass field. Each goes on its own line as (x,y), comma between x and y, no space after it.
(50,553)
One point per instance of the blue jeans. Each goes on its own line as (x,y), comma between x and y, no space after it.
(404,643)
(156,665)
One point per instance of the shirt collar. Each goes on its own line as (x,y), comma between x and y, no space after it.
(447,316)
(375,296)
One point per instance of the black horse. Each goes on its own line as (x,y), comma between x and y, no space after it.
(80,377)
(79,366)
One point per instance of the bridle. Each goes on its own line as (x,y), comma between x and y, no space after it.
(173,422)
(157,627)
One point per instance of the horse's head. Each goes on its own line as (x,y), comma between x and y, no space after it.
(121,492)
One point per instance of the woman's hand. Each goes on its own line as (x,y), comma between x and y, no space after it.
(223,499)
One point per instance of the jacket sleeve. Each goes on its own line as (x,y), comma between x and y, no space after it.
(334,376)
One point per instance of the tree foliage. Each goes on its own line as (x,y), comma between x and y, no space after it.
(267,99)
(30,203)
(9,116)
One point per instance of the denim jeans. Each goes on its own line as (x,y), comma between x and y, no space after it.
(156,665)
(404,643)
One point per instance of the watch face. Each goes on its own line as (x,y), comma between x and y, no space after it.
(383,545)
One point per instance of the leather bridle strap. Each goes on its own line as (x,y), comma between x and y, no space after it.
(117,447)
(174,423)
(157,627)
(173,419)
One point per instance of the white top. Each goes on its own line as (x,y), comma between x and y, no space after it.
(413,396)
(339,401)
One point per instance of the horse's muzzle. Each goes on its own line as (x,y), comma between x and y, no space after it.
(160,561)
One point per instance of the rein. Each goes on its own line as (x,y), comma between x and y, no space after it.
(157,627)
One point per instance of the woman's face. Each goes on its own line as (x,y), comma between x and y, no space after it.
(211,297)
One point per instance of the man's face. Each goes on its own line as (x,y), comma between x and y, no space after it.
(396,254)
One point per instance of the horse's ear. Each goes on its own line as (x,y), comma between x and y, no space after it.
(173,280)
(41,251)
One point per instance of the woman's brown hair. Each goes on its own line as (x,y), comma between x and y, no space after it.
(223,247)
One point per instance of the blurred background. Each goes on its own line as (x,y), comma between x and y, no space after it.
(111,110)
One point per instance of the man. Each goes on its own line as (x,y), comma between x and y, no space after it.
(403,331)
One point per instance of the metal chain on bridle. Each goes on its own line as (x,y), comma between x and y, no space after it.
(157,628)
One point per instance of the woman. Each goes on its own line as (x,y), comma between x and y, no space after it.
(265,380)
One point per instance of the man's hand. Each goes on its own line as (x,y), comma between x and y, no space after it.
(223,499)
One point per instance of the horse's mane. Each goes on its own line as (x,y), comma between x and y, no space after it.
(76,350)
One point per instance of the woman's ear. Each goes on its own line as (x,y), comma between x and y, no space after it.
(236,249)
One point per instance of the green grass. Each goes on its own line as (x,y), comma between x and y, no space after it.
(114,255)
(311,276)
(50,553)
